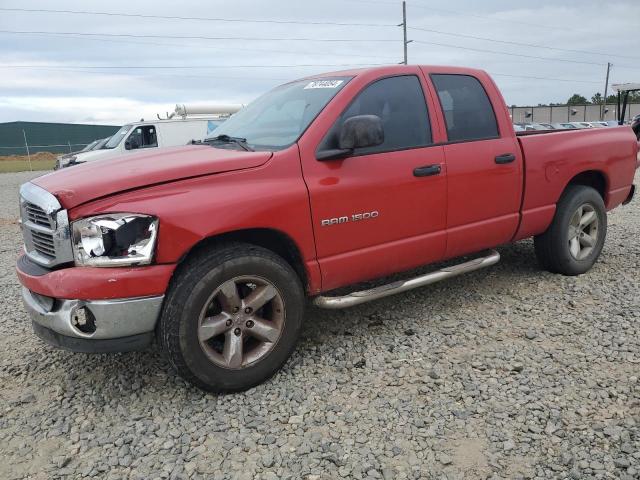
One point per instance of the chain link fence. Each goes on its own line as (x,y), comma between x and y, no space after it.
(27,138)
(27,149)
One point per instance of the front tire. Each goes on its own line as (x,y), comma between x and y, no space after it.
(232,317)
(574,240)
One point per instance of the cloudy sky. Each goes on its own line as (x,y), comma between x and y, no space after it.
(127,63)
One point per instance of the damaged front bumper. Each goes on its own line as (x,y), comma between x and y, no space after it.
(91,309)
(96,326)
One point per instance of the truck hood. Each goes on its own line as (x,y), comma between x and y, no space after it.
(82,183)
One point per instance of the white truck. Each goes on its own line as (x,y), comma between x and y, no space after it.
(188,122)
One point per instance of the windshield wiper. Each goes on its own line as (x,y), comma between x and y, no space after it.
(241,142)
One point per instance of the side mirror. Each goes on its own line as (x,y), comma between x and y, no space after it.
(360,131)
(131,144)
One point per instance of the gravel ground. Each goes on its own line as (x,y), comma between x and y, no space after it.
(510,372)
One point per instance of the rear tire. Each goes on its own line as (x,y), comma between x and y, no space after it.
(574,240)
(232,317)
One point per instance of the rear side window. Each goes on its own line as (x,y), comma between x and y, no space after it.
(400,104)
(466,106)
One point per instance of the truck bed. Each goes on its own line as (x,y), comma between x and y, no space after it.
(551,158)
(527,133)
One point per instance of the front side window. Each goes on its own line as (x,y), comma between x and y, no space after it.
(467,109)
(400,104)
(278,118)
(142,137)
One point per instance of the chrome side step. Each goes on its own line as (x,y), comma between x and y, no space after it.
(356,298)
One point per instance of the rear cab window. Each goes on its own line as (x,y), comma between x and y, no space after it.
(467,109)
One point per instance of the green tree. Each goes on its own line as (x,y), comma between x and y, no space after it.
(577,99)
(596,98)
(634,97)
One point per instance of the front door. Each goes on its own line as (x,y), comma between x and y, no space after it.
(381,209)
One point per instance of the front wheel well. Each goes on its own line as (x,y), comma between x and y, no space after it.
(591,178)
(278,242)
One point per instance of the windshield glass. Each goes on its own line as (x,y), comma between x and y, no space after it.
(117,137)
(278,118)
(90,146)
(100,145)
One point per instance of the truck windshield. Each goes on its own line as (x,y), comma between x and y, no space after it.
(117,137)
(90,146)
(278,118)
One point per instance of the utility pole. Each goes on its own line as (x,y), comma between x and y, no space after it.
(606,87)
(405,42)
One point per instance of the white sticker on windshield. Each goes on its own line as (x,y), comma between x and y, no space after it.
(323,84)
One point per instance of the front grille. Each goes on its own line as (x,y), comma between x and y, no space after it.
(43,243)
(37,215)
(45,227)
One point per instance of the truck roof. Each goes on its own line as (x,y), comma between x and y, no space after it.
(399,69)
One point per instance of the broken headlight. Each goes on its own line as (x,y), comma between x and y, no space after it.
(114,240)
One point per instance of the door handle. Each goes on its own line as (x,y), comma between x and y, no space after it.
(505,158)
(427,171)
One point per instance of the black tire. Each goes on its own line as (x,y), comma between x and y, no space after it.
(190,292)
(552,247)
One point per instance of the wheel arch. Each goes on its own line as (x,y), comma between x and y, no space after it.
(537,220)
(591,178)
(274,240)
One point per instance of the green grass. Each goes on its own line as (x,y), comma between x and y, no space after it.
(7,166)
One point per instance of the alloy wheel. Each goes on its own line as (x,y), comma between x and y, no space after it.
(583,231)
(241,322)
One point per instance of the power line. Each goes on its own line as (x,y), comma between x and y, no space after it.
(97,36)
(509,42)
(331,40)
(200,37)
(542,78)
(256,50)
(216,76)
(207,19)
(464,14)
(212,76)
(336,40)
(507,53)
(77,69)
(191,67)
(493,19)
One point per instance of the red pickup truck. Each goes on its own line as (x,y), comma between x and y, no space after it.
(321,183)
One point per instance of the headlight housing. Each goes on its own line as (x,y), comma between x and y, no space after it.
(114,240)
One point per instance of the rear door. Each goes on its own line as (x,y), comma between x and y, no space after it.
(382,209)
(484,165)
